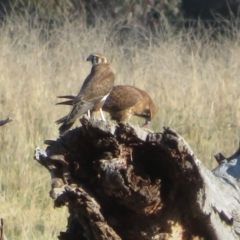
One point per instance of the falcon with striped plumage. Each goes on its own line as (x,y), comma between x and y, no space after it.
(93,93)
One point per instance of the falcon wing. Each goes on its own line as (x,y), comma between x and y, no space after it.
(77,111)
(68,102)
(96,87)
(67,96)
(121,98)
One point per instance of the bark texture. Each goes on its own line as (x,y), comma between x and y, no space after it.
(120,181)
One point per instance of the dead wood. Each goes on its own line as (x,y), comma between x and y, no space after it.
(2,236)
(229,169)
(120,181)
(7,120)
(1,229)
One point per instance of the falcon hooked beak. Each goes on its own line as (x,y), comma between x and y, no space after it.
(146,123)
(97,58)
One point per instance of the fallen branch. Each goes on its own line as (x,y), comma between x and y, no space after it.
(7,120)
(120,181)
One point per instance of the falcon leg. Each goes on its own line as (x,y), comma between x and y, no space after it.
(103,118)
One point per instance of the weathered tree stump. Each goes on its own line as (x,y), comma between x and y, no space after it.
(120,181)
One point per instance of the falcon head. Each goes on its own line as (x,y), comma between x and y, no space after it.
(97,58)
(149,112)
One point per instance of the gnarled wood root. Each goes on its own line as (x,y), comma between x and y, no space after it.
(120,181)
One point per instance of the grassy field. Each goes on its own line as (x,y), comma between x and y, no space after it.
(194,82)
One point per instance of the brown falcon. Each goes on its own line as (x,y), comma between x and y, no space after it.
(94,91)
(125,101)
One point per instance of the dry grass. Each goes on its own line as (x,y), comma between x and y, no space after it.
(194,83)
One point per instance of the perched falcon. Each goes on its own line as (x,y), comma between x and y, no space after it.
(94,91)
(123,102)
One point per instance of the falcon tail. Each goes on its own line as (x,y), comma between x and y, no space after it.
(76,112)
(69,102)
(61,120)
(67,96)
(65,127)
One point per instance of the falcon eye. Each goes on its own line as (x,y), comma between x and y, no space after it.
(95,60)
